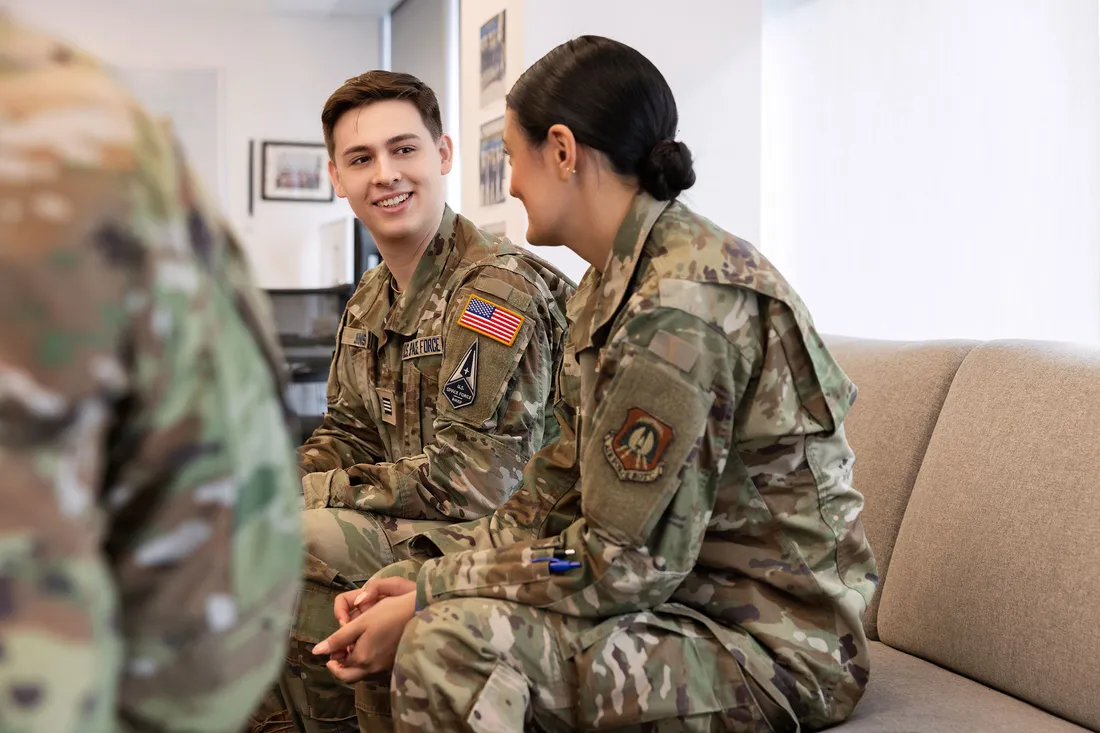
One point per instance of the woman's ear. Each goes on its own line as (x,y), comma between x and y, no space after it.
(563,150)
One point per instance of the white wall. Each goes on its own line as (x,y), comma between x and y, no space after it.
(932,169)
(473,14)
(424,43)
(277,73)
(709,52)
(711,60)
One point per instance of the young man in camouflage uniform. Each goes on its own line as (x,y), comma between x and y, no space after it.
(441,386)
(150,546)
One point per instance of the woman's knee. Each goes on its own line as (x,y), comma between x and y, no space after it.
(450,632)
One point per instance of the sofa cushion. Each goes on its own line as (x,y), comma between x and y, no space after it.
(996,569)
(906,695)
(901,389)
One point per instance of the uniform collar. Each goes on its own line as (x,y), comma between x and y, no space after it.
(403,314)
(608,289)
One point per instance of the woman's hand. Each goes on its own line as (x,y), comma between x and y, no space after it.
(351,604)
(367,643)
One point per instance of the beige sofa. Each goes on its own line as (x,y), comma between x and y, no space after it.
(980,463)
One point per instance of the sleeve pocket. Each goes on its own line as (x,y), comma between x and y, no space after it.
(476,372)
(643,434)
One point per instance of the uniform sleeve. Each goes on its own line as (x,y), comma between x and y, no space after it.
(666,392)
(493,411)
(62,654)
(343,439)
(149,544)
(205,516)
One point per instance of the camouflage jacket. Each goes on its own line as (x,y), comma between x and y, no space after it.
(704,471)
(438,398)
(149,538)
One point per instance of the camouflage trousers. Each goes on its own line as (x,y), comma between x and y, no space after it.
(344,548)
(491,666)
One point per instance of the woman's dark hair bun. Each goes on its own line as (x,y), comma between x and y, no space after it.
(667,170)
(614,100)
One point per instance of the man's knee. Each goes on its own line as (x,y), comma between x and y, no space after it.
(352,544)
(331,550)
(322,537)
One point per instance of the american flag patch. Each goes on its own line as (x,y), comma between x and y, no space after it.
(491,320)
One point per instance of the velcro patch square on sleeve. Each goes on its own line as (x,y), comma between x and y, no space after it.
(489,319)
(644,431)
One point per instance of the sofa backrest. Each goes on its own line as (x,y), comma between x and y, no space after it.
(995,572)
(902,386)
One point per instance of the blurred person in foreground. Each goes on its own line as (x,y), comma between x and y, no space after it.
(150,546)
(689,554)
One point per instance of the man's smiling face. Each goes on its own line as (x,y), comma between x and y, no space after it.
(390,169)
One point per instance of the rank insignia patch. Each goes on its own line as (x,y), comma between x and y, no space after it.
(489,319)
(386,402)
(461,389)
(635,451)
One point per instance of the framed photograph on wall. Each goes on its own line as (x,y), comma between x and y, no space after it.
(493,49)
(491,162)
(295,172)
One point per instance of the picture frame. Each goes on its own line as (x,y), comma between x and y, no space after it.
(492,165)
(293,171)
(493,46)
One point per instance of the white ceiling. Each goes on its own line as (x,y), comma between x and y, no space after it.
(316,8)
(335,7)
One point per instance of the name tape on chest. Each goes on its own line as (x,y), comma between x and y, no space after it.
(354,337)
(426,346)
(492,320)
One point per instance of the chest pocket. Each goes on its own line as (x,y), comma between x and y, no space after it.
(411,410)
(358,371)
(429,368)
(363,373)
(421,360)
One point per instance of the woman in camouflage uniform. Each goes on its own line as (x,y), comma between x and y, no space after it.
(690,549)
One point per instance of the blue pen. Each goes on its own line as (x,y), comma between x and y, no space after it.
(558,566)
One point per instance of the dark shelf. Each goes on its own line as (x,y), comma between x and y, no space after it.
(343,290)
(307,320)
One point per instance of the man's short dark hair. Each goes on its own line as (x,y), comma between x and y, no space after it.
(377,86)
